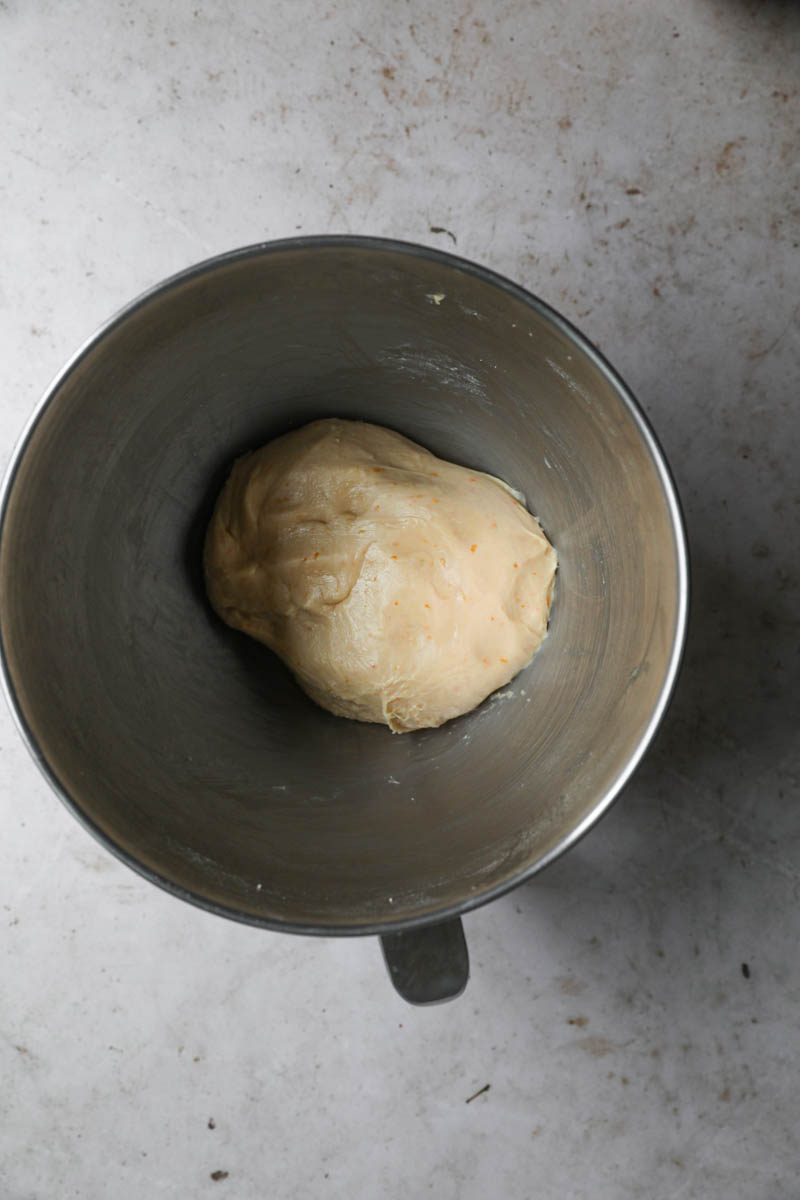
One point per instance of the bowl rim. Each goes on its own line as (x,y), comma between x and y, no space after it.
(358,242)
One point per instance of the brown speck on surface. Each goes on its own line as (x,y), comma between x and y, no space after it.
(564,123)
(479,1092)
(598,1047)
(745,970)
(581,1022)
(728,159)
(633,191)
(212,1124)
(388,72)
(725,1095)
(569,986)
(218,1175)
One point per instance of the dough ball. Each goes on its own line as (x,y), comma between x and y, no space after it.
(398,587)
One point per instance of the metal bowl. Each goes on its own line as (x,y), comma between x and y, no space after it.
(188,749)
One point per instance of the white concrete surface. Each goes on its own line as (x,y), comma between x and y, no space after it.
(637,166)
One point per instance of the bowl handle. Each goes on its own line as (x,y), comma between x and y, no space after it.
(429,964)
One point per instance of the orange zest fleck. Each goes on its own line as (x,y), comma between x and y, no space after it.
(377,506)
(491,618)
(504,660)
(515,566)
(435,500)
(474,547)
(316,554)
(427,605)
(434,474)
(485,660)
(394,556)
(396,603)
(443,561)
(377,469)
(548,601)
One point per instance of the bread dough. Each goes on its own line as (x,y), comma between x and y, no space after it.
(398,587)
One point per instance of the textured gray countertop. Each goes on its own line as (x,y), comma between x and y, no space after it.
(636,1008)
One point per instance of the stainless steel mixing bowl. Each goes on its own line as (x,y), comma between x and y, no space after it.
(188,749)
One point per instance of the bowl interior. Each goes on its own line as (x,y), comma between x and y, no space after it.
(187,746)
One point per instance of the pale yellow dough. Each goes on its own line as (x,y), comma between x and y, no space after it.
(398,587)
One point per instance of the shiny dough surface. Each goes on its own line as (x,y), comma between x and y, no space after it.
(398,587)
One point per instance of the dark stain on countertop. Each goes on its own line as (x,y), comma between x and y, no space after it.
(219,1175)
(730,160)
(598,1047)
(568,986)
